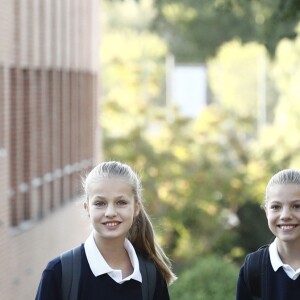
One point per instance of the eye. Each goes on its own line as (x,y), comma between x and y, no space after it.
(121,202)
(296,206)
(275,207)
(99,203)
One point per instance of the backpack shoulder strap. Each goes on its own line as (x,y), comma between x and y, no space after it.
(148,272)
(71,267)
(255,267)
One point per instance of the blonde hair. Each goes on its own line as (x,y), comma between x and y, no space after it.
(286,176)
(141,233)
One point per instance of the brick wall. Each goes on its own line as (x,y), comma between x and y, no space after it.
(48,130)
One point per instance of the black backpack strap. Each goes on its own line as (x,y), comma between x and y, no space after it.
(148,272)
(71,267)
(255,268)
(264,272)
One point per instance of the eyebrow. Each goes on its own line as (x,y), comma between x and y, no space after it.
(280,202)
(105,198)
(98,197)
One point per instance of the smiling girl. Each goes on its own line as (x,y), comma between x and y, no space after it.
(281,279)
(122,230)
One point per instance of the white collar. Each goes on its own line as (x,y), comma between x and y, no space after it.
(276,262)
(99,266)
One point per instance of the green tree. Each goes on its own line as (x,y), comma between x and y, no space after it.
(132,66)
(195,29)
(277,19)
(240,81)
(192,170)
(194,173)
(202,177)
(284,128)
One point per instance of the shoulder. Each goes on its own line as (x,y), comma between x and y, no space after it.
(52,270)
(254,259)
(252,272)
(53,264)
(257,259)
(50,283)
(261,251)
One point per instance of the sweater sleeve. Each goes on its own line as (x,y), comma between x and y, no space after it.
(50,284)
(242,292)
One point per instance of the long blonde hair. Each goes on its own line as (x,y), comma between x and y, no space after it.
(141,233)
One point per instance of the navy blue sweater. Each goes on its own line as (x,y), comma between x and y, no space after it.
(92,288)
(280,286)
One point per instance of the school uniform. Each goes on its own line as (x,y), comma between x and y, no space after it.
(98,280)
(283,283)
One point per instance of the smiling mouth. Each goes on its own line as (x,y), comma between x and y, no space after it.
(287,227)
(111,224)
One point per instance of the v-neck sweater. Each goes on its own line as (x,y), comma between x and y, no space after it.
(279,285)
(95,287)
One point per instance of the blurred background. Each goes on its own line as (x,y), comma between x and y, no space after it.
(200,97)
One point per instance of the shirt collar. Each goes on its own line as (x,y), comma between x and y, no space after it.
(274,256)
(276,262)
(99,266)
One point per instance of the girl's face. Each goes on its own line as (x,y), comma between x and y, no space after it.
(283,212)
(111,207)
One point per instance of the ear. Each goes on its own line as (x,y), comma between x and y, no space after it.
(137,208)
(86,207)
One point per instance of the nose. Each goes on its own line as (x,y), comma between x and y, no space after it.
(286,213)
(110,211)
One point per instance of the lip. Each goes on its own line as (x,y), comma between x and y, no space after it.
(287,227)
(111,224)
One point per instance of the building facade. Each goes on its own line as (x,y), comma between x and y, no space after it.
(48,132)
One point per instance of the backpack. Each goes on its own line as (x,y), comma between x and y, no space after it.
(71,267)
(255,272)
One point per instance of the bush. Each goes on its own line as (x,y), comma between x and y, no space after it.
(209,278)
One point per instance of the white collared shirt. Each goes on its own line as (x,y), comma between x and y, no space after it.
(276,262)
(99,266)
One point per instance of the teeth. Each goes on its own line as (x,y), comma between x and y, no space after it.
(286,227)
(111,224)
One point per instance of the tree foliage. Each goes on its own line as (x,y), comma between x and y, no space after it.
(204,178)
(195,29)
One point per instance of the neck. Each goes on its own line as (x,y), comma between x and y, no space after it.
(289,253)
(111,249)
(115,254)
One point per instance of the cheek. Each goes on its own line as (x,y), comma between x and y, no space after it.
(269,214)
(271,218)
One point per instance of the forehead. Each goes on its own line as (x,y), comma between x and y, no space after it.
(110,185)
(284,192)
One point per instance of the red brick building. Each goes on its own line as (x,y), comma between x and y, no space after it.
(48,127)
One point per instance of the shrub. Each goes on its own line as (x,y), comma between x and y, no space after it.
(208,278)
